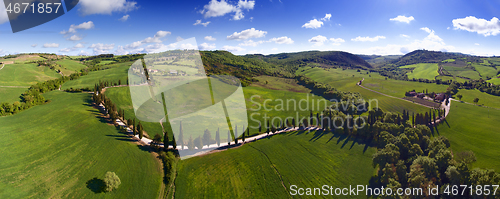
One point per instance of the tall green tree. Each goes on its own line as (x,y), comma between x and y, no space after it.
(140,130)
(476,100)
(228,137)
(459,96)
(166,140)
(217,137)
(190,143)
(181,135)
(207,137)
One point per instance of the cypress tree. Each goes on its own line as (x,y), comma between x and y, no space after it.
(139,128)
(174,143)
(228,137)
(134,128)
(236,134)
(260,127)
(181,135)
(217,137)
(165,140)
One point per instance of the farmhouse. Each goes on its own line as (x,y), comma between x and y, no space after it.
(173,72)
(421,95)
(440,97)
(411,94)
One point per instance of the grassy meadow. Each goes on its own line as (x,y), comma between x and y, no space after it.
(470,127)
(257,169)
(422,71)
(70,66)
(344,80)
(484,98)
(25,74)
(10,95)
(116,72)
(56,155)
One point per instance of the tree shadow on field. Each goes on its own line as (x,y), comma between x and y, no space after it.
(318,134)
(96,185)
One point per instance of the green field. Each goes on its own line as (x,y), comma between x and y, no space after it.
(398,88)
(446,78)
(55,155)
(25,74)
(484,98)
(485,71)
(463,72)
(305,159)
(495,81)
(105,62)
(277,83)
(474,128)
(422,71)
(121,97)
(116,72)
(280,109)
(11,95)
(343,80)
(448,60)
(23,59)
(70,66)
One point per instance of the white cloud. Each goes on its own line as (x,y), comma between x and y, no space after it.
(279,40)
(51,45)
(337,41)
(83,26)
(133,45)
(162,33)
(207,46)
(217,8)
(256,51)
(179,38)
(426,29)
(84,53)
(2,52)
(405,36)
(402,19)
(318,40)
(89,7)
(124,18)
(430,42)
(100,48)
(34,45)
(3,13)
(233,48)
(313,24)
(210,38)
(274,49)
(247,34)
(480,26)
(327,17)
(476,44)
(198,22)
(75,38)
(65,50)
(372,39)
(74,48)
(251,43)
(282,40)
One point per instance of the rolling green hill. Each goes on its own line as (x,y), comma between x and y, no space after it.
(117,72)
(10,95)
(54,150)
(69,67)
(470,127)
(25,74)
(422,71)
(258,169)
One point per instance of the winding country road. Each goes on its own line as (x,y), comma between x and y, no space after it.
(224,145)
(359,84)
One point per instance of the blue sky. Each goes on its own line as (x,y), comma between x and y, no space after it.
(264,26)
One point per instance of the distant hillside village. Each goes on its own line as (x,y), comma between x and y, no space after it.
(439,97)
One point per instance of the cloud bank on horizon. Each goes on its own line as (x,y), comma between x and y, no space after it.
(267,27)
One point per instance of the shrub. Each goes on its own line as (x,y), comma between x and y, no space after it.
(111,181)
